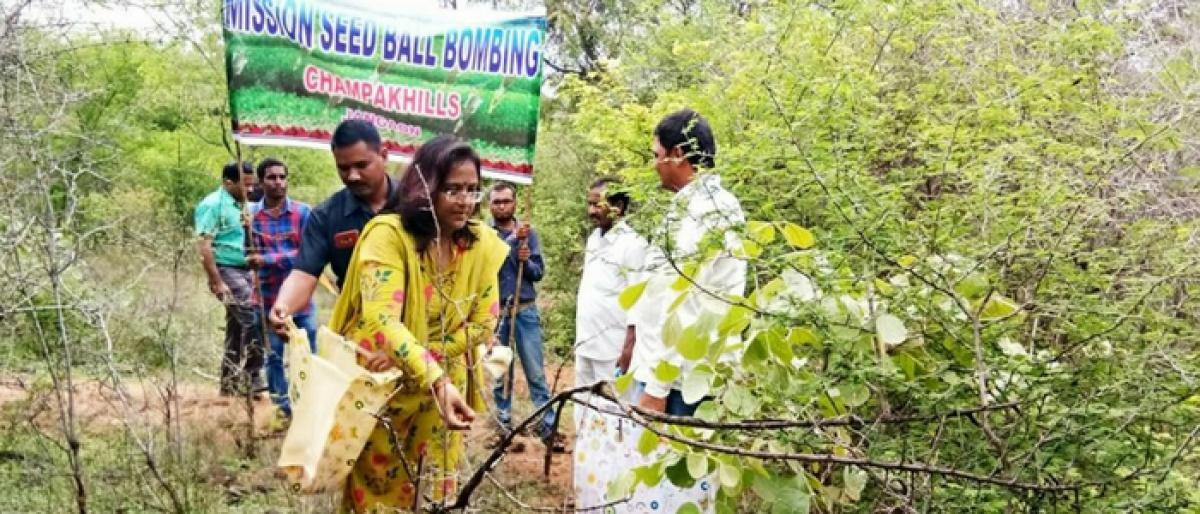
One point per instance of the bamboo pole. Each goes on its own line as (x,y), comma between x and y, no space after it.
(516,300)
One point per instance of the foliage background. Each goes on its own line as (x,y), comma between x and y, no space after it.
(1013,182)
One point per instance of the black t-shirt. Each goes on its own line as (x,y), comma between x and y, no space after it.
(332,230)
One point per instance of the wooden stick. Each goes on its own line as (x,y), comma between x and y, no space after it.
(516,299)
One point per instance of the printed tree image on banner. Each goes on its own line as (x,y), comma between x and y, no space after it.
(297,68)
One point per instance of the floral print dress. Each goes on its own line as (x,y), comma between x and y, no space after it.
(410,455)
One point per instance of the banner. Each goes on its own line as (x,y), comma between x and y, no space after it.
(297,68)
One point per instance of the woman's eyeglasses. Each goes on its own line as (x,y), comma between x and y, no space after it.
(459,193)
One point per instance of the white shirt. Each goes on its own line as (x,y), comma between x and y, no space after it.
(701,207)
(612,262)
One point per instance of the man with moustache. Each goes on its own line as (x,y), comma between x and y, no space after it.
(334,225)
(613,259)
(525,248)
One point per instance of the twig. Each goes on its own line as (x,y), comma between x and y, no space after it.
(827,458)
(839,421)
(464,494)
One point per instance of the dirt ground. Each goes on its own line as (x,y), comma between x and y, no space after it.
(212,419)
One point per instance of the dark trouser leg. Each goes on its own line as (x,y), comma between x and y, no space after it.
(243,352)
(530,350)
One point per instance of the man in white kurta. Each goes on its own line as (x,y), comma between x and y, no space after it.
(612,262)
(701,209)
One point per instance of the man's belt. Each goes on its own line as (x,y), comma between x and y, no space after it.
(521,305)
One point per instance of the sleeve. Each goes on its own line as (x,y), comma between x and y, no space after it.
(314,245)
(206,220)
(382,275)
(535,267)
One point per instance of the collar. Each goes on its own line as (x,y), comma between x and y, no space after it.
(261,205)
(702,181)
(618,229)
(354,203)
(224,194)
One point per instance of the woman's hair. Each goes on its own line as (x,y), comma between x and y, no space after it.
(422,180)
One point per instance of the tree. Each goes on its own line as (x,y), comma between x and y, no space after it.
(950,261)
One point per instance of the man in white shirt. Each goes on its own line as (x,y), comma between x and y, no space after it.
(612,262)
(685,153)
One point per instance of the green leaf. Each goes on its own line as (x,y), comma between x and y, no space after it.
(779,345)
(679,475)
(751,249)
(761,231)
(692,346)
(906,363)
(672,330)
(798,237)
(739,400)
(883,287)
(697,465)
(650,475)
(907,261)
(647,442)
(855,480)
(708,411)
(735,321)
(972,287)
(756,353)
(623,486)
(631,295)
(786,495)
(801,336)
(678,301)
(623,382)
(684,280)
(666,372)
(697,384)
(998,307)
(890,329)
(689,508)
(854,395)
(730,474)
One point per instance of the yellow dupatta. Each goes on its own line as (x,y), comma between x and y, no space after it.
(479,266)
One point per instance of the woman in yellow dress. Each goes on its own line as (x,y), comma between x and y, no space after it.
(421,294)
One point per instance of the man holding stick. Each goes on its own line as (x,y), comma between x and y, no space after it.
(222,249)
(521,269)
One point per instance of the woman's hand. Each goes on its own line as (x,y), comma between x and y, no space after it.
(454,410)
(380,361)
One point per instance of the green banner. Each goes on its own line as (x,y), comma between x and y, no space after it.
(297,68)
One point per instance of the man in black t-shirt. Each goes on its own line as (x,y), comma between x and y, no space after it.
(334,225)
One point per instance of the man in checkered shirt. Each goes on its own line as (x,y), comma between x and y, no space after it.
(278,222)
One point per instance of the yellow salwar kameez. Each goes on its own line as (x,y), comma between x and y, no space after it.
(396,300)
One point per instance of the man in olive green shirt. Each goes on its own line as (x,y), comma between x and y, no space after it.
(222,251)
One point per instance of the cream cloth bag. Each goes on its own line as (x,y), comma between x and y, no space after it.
(334,401)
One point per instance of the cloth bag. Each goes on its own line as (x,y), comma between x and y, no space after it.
(334,402)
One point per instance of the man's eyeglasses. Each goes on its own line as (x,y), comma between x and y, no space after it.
(458,193)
